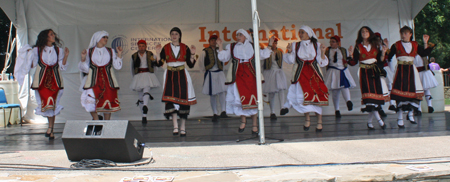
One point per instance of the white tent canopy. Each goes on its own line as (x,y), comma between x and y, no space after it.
(76,21)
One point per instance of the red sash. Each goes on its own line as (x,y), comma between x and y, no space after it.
(246,85)
(105,96)
(48,90)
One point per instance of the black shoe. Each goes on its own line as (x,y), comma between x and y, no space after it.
(418,113)
(349,105)
(144,120)
(51,136)
(223,114)
(412,122)
(370,128)
(100,117)
(284,111)
(273,116)
(255,132)
(306,128)
(392,108)
(430,109)
(175,133)
(401,126)
(241,129)
(319,130)
(167,116)
(338,114)
(144,110)
(182,133)
(215,118)
(382,113)
(48,134)
(384,126)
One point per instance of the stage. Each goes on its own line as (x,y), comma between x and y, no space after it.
(203,132)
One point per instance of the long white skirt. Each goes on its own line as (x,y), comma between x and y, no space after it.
(295,99)
(49,113)
(144,80)
(428,80)
(333,79)
(234,105)
(217,83)
(88,100)
(274,81)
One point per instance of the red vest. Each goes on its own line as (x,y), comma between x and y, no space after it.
(170,56)
(401,50)
(365,55)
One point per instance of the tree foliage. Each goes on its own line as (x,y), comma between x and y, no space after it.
(434,20)
(5,24)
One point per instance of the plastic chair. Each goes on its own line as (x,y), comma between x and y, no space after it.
(4,104)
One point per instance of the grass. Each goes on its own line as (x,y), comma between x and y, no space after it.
(447,101)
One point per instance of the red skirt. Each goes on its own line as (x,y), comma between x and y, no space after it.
(315,92)
(246,85)
(106,98)
(48,91)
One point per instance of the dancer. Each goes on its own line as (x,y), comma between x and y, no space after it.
(143,65)
(49,59)
(178,92)
(274,77)
(369,53)
(100,85)
(388,78)
(241,77)
(214,82)
(307,91)
(407,89)
(427,79)
(338,78)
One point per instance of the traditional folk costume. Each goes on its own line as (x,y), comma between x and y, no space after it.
(338,78)
(275,79)
(388,78)
(144,78)
(407,88)
(178,92)
(427,79)
(374,91)
(100,85)
(47,81)
(214,79)
(241,77)
(308,90)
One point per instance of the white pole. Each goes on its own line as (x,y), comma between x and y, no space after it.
(255,17)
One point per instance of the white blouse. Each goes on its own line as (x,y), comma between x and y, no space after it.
(243,51)
(306,52)
(339,63)
(48,57)
(100,57)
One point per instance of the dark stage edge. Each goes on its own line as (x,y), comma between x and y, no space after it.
(203,132)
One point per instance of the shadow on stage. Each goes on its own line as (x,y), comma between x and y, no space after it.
(203,132)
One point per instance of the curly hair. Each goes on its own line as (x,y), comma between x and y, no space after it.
(373,39)
(41,41)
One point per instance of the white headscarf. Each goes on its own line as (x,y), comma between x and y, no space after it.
(245,33)
(308,30)
(96,37)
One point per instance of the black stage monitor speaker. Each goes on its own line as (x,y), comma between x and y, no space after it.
(115,140)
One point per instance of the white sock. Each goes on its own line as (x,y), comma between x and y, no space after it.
(346,94)
(336,93)
(428,97)
(222,100)
(213,101)
(378,117)
(281,98)
(271,102)
(369,121)
(411,115)
(400,117)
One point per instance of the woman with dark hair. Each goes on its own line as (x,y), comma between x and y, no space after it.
(49,59)
(307,91)
(178,92)
(369,53)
